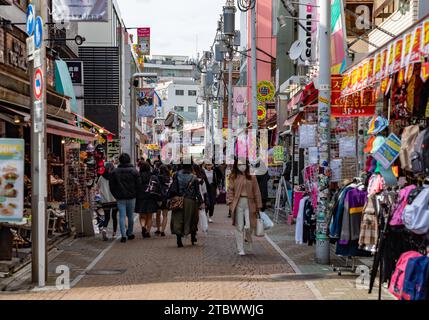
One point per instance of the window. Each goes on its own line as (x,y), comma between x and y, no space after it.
(180,92)
(192,109)
(192,93)
(179,108)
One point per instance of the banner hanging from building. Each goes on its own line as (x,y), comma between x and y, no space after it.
(398,56)
(308,13)
(143,36)
(239,114)
(338,37)
(79,10)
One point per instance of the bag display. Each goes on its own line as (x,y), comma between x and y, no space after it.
(416,214)
(408,141)
(400,205)
(204,224)
(397,281)
(420,155)
(268,223)
(416,279)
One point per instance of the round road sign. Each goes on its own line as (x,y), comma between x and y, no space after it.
(266,91)
(262,113)
(38,83)
(30,20)
(38,33)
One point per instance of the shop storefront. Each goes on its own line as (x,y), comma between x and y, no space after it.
(379,161)
(65,131)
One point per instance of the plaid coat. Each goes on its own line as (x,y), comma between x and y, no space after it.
(369,226)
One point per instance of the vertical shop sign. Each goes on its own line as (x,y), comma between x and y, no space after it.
(390,61)
(398,55)
(416,47)
(426,38)
(384,63)
(307,13)
(377,67)
(11,180)
(143,36)
(407,50)
(371,71)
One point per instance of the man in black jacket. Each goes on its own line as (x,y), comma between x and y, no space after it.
(123,182)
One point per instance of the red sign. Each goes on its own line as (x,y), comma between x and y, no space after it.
(38,84)
(143,32)
(356,105)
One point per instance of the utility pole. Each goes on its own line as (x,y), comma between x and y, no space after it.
(254,67)
(324,136)
(38,150)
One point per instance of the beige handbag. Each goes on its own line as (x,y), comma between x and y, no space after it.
(260,230)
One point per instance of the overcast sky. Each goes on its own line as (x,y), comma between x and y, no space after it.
(175,24)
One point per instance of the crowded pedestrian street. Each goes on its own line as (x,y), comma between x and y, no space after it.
(248,152)
(156,269)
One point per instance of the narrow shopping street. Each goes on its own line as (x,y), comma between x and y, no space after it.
(156,269)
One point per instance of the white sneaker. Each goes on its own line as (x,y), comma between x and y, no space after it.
(210,220)
(241,253)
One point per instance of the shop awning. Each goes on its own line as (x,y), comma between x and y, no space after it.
(64,84)
(93,124)
(58,128)
(292,120)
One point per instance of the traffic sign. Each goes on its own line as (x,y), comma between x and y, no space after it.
(38,84)
(30,20)
(262,113)
(38,33)
(266,91)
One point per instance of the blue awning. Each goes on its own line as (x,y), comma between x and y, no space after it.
(63,83)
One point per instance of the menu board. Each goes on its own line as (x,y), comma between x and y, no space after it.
(11,180)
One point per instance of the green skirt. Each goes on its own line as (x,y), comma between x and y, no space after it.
(185,221)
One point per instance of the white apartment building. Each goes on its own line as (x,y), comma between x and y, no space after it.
(180,96)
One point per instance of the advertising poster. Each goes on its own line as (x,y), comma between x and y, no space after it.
(79,10)
(11,180)
(389,151)
(143,36)
(113,149)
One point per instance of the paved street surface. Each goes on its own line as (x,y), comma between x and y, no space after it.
(156,269)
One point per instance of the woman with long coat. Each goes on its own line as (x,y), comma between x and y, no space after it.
(244,201)
(184,221)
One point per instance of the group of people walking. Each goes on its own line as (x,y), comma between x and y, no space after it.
(185,190)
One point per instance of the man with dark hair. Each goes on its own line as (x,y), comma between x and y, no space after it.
(123,182)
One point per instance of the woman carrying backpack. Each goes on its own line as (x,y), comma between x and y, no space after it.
(165,182)
(147,197)
(108,202)
(185,192)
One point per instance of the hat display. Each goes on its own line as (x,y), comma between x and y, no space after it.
(368,147)
(377,124)
(377,143)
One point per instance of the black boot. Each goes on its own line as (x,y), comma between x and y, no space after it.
(179,241)
(193,238)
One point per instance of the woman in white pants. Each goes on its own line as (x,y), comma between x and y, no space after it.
(244,201)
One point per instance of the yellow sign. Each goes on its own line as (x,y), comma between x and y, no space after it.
(262,113)
(152,147)
(266,91)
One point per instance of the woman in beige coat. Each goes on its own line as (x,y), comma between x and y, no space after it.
(244,201)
